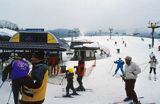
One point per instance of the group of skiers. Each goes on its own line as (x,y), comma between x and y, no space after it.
(129,77)
(130,74)
(80,70)
(31,83)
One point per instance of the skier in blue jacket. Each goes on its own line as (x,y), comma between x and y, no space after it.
(120,64)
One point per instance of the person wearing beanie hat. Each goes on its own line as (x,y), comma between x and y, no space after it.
(70,77)
(39,55)
(131,72)
(34,90)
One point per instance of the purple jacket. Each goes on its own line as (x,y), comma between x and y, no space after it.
(20,68)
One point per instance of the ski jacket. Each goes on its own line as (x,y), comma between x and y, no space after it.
(153,63)
(37,90)
(132,70)
(20,68)
(119,63)
(69,76)
(80,69)
(151,55)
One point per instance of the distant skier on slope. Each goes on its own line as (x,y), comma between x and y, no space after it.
(153,62)
(131,72)
(120,64)
(70,77)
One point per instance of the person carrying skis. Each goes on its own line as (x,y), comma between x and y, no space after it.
(131,72)
(153,62)
(120,64)
(70,77)
(80,73)
(34,89)
(18,71)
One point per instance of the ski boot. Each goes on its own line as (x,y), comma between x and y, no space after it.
(67,95)
(74,93)
(127,99)
(136,102)
(154,77)
(78,89)
(82,88)
(149,76)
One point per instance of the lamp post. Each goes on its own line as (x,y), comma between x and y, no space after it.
(110,31)
(153,25)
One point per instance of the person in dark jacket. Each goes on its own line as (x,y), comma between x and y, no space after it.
(80,73)
(70,77)
(18,71)
(34,90)
(120,64)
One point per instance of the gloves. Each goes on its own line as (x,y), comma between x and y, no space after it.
(123,78)
(3,79)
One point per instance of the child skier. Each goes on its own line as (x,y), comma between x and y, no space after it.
(120,64)
(70,77)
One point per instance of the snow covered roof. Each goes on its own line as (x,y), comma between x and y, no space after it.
(8,32)
(84,45)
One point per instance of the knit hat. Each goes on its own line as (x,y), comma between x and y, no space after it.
(128,58)
(39,55)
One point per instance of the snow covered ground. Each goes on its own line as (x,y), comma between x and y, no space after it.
(106,88)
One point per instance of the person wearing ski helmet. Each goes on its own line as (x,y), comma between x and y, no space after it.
(70,77)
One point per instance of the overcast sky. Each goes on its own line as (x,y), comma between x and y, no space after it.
(83,14)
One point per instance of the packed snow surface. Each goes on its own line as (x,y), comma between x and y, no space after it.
(107,89)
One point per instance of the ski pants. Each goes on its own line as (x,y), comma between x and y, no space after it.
(70,86)
(16,88)
(118,69)
(129,87)
(154,69)
(79,80)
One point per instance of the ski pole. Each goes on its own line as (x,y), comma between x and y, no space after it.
(143,63)
(111,68)
(145,67)
(1,84)
(61,81)
(9,95)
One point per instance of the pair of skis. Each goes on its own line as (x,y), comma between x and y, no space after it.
(72,96)
(131,102)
